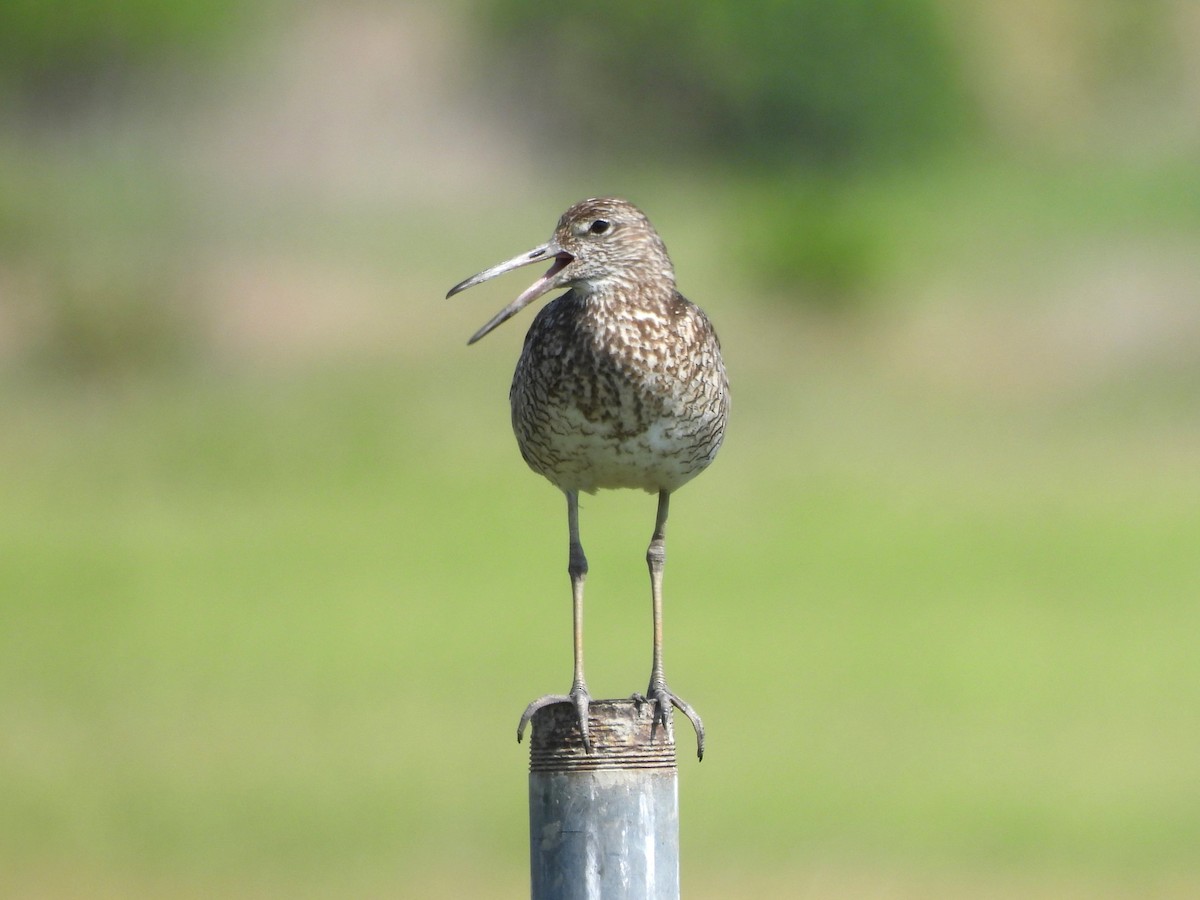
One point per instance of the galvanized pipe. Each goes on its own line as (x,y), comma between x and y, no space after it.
(603,824)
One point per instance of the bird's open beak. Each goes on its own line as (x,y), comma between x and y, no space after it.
(546,283)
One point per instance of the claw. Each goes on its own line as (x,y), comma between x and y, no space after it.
(581,709)
(662,696)
(579,697)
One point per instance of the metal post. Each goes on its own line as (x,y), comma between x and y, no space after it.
(603,824)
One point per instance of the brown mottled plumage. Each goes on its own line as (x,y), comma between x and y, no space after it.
(620,385)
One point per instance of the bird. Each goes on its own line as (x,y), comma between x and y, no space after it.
(620,384)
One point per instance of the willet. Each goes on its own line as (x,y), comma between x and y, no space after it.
(620,385)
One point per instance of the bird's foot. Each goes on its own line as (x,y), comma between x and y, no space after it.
(661,695)
(579,697)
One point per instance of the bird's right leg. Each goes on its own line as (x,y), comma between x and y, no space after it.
(577,568)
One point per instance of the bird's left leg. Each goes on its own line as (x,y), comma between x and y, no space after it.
(658,691)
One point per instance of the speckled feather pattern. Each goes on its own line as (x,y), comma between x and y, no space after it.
(620,383)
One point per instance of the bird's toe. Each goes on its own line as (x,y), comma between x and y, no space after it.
(664,699)
(578,697)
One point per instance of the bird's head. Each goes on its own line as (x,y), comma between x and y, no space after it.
(599,244)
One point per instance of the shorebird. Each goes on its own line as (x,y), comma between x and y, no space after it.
(620,384)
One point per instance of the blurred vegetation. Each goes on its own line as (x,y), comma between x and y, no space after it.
(808,237)
(762,82)
(114,325)
(90,235)
(57,58)
(95,253)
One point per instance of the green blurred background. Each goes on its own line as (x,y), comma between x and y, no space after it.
(275,584)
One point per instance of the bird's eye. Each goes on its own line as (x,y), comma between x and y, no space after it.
(599,226)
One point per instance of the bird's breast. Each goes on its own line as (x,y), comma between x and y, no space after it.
(635,399)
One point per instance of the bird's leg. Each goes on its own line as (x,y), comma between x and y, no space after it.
(658,691)
(577,568)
